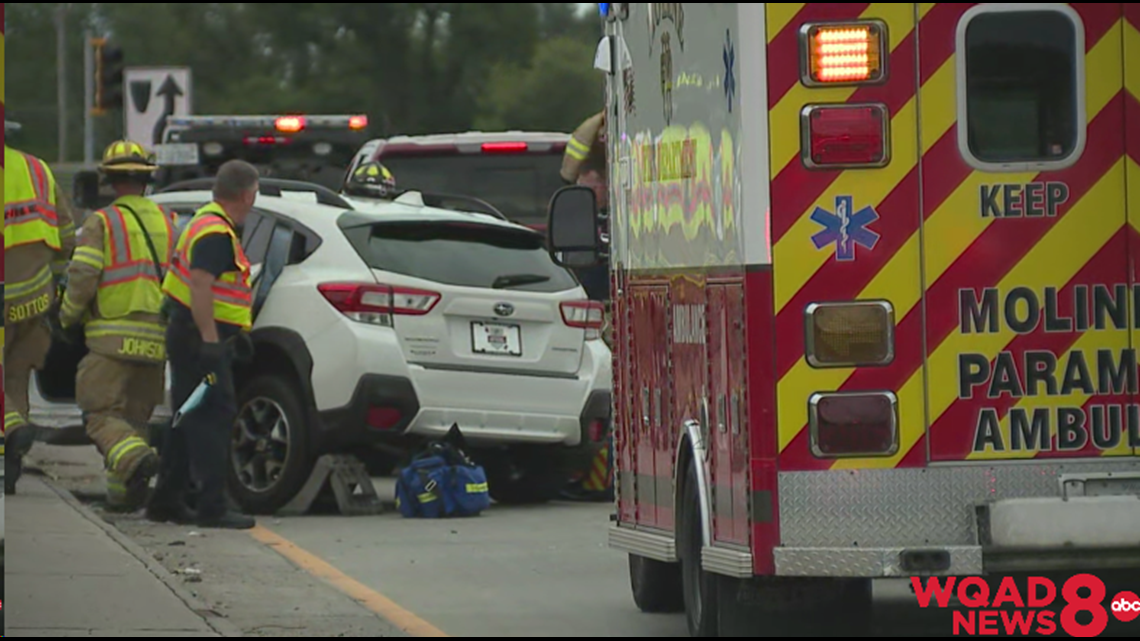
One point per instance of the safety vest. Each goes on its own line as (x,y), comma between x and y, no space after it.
(129,299)
(29,201)
(233,297)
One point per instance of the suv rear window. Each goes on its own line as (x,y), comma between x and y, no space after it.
(462,254)
(519,185)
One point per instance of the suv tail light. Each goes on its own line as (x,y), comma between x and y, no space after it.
(585,314)
(378,303)
(845,136)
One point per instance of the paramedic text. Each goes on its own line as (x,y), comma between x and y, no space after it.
(1109,374)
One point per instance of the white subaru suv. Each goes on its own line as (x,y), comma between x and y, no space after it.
(380,325)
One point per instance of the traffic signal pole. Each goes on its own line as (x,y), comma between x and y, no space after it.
(89,100)
(61,76)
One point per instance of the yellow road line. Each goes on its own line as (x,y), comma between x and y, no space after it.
(366,596)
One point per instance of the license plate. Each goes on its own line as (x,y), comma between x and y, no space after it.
(176,154)
(496,338)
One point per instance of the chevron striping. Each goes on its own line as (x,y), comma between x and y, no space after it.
(946,203)
(1078,235)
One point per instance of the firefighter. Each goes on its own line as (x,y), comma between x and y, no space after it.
(584,163)
(210,301)
(114,290)
(39,234)
(371,180)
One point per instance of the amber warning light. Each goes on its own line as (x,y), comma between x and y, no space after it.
(290,124)
(844,54)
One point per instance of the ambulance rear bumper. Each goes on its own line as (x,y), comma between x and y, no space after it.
(960,520)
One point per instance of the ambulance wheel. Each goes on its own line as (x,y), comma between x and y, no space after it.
(656,585)
(269,454)
(699,588)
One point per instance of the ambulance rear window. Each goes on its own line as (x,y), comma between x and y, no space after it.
(1021,87)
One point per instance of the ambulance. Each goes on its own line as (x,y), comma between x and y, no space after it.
(876,276)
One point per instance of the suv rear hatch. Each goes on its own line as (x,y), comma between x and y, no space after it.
(517,177)
(471,296)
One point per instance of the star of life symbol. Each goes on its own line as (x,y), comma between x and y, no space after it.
(845,228)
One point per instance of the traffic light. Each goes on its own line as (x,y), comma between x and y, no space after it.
(108,76)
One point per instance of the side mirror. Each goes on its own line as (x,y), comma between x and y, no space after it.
(85,192)
(572,228)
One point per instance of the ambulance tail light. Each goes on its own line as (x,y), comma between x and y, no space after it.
(587,315)
(844,136)
(843,54)
(376,304)
(358,122)
(853,424)
(851,334)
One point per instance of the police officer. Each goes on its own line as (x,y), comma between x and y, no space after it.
(39,235)
(114,288)
(371,180)
(210,306)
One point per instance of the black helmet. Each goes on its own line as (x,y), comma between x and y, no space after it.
(371,180)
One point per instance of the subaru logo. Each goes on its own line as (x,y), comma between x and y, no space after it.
(504,309)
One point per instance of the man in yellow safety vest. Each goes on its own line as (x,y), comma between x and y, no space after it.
(211,308)
(114,289)
(39,234)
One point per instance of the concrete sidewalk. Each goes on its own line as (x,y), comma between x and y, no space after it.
(70,574)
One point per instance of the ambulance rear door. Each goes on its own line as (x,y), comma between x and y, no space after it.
(1027,286)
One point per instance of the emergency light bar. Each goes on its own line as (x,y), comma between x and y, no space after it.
(282,123)
(843,54)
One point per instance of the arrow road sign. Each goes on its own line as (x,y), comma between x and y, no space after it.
(155,94)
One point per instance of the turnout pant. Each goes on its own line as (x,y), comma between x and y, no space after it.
(118,397)
(199,446)
(26,345)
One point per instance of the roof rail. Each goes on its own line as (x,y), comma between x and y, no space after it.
(268,187)
(455,202)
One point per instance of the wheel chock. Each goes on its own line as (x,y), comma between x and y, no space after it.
(351,485)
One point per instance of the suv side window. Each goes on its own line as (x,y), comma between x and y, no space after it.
(255,239)
(1021,87)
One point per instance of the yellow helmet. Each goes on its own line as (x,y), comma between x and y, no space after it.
(127,156)
(371,180)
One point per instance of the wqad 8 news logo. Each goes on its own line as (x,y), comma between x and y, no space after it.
(1077,607)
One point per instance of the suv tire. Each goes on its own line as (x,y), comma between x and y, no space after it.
(269,394)
(526,474)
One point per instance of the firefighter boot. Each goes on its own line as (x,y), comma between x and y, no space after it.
(132,493)
(17,444)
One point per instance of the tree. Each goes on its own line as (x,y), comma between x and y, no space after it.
(555,92)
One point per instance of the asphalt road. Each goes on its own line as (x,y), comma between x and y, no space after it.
(514,572)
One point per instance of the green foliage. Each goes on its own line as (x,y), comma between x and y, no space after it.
(412,67)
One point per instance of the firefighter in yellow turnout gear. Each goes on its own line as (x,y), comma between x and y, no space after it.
(39,234)
(114,289)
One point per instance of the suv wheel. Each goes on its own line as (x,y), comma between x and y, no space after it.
(526,474)
(269,455)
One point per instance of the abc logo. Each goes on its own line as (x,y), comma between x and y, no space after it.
(1126,606)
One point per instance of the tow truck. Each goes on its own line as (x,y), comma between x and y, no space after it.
(310,148)
(875,300)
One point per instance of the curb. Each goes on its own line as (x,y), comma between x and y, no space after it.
(215,622)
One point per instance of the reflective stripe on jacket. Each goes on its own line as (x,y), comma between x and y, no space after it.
(113,267)
(29,201)
(233,298)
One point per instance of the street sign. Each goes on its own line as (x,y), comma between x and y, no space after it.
(153,94)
